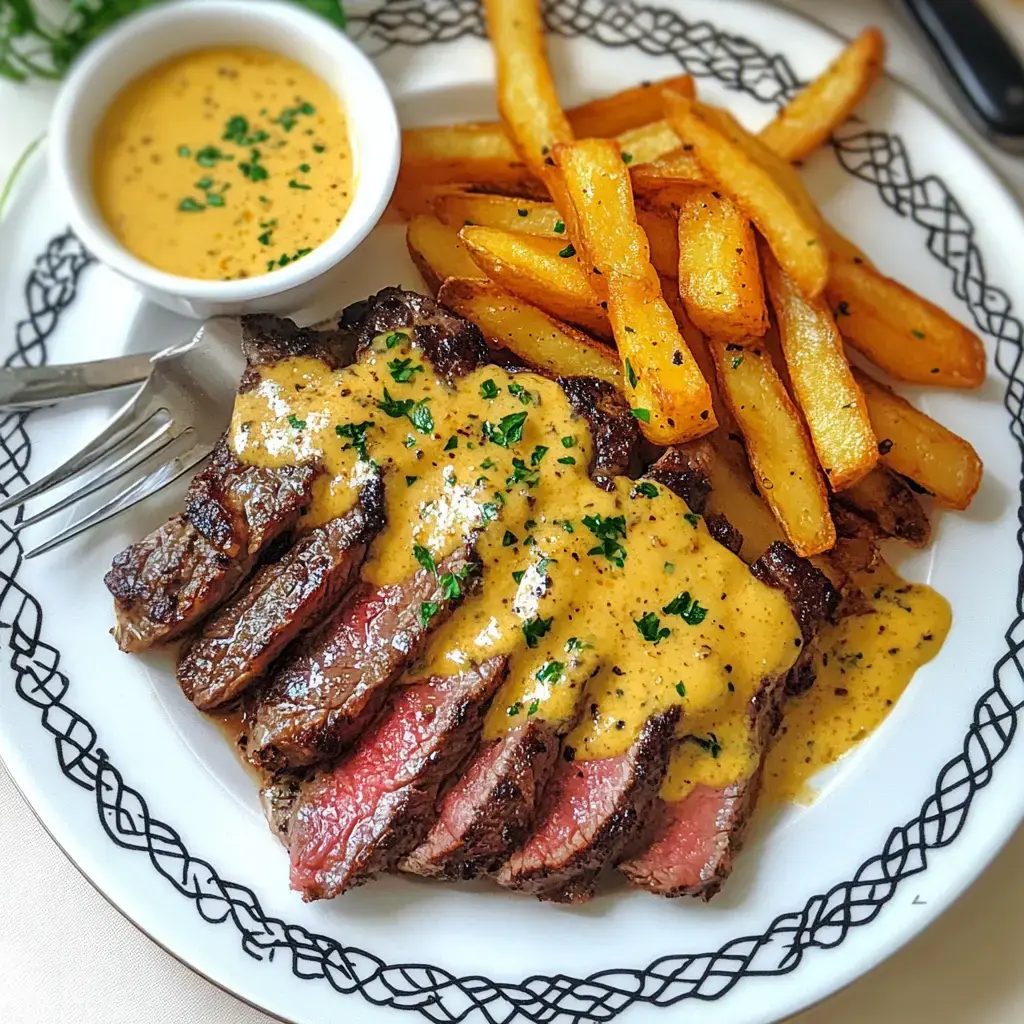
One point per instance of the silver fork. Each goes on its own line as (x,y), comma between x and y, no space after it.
(171,423)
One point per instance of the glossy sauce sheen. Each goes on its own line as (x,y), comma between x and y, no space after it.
(223,164)
(864,664)
(552,595)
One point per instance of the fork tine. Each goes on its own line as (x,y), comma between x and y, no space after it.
(130,496)
(133,458)
(118,428)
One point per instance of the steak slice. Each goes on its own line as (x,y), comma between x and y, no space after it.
(695,839)
(282,600)
(337,677)
(591,812)
(612,426)
(489,810)
(361,817)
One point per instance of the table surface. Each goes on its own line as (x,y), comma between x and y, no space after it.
(67,955)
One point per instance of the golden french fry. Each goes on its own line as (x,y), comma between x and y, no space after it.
(660,228)
(648,142)
(437,252)
(623,111)
(536,338)
(719,273)
(541,271)
(904,334)
(678,167)
(794,239)
(810,117)
(912,444)
(821,380)
(461,208)
(888,506)
(778,448)
(665,387)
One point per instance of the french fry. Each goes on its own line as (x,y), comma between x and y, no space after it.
(666,389)
(459,208)
(795,241)
(534,269)
(437,252)
(904,334)
(623,111)
(719,272)
(536,338)
(678,167)
(912,444)
(662,236)
(824,388)
(811,117)
(527,98)
(648,142)
(778,448)
(888,506)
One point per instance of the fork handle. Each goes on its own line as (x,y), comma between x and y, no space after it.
(25,387)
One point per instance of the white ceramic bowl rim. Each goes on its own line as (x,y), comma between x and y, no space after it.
(157,33)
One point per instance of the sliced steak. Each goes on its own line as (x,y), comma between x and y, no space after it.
(685,470)
(695,839)
(590,814)
(612,426)
(490,808)
(282,600)
(336,679)
(362,816)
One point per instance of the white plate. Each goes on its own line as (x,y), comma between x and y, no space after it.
(149,801)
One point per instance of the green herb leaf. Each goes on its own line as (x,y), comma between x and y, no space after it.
(425,558)
(608,531)
(513,709)
(567,460)
(428,609)
(568,251)
(451,444)
(356,434)
(532,709)
(401,370)
(292,183)
(489,389)
(647,489)
(692,519)
(396,409)
(642,414)
(569,441)
(550,672)
(681,689)
(736,361)
(627,158)
(395,339)
(421,417)
(451,586)
(534,629)
(523,213)
(295,423)
(521,473)
(189,205)
(410,480)
(538,454)
(521,393)
(689,610)
(509,539)
(631,374)
(648,624)
(518,575)
(711,744)
(559,227)
(508,431)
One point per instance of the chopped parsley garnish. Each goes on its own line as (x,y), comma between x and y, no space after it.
(559,227)
(509,539)
(521,393)
(692,519)
(409,442)
(489,389)
(569,441)
(530,524)
(290,115)
(631,374)
(689,610)
(736,361)
(395,409)
(647,489)
(237,131)
(518,575)
(295,423)
(681,689)
(252,168)
(574,645)
(356,434)
(284,259)
(642,414)
(396,338)
(425,558)
(537,455)
(523,213)
(565,524)
(920,335)
(710,743)
(452,443)
(534,629)
(669,567)
(451,587)
(521,473)
(303,168)
(401,370)
(410,480)
(513,709)
(550,672)
(508,431)
(608,531)
(428,609)
(627,158)
(567,460)
(487,464)
(568,251)
(532,709)
(292,183)
(184,151)
(650,628)
(209,155)
(318,148)
(189,205)
(489,511)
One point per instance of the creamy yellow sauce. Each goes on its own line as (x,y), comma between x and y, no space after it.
(223,163)
(864,664)
(611,605)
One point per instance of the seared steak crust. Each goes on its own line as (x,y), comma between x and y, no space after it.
(612,426)
(336,678)
(590,814)
(684,470)
(283,599)
(487,812)
(362,816)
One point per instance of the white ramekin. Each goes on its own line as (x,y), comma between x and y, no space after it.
(160,32)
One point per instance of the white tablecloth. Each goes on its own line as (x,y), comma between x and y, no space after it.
(66,955)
